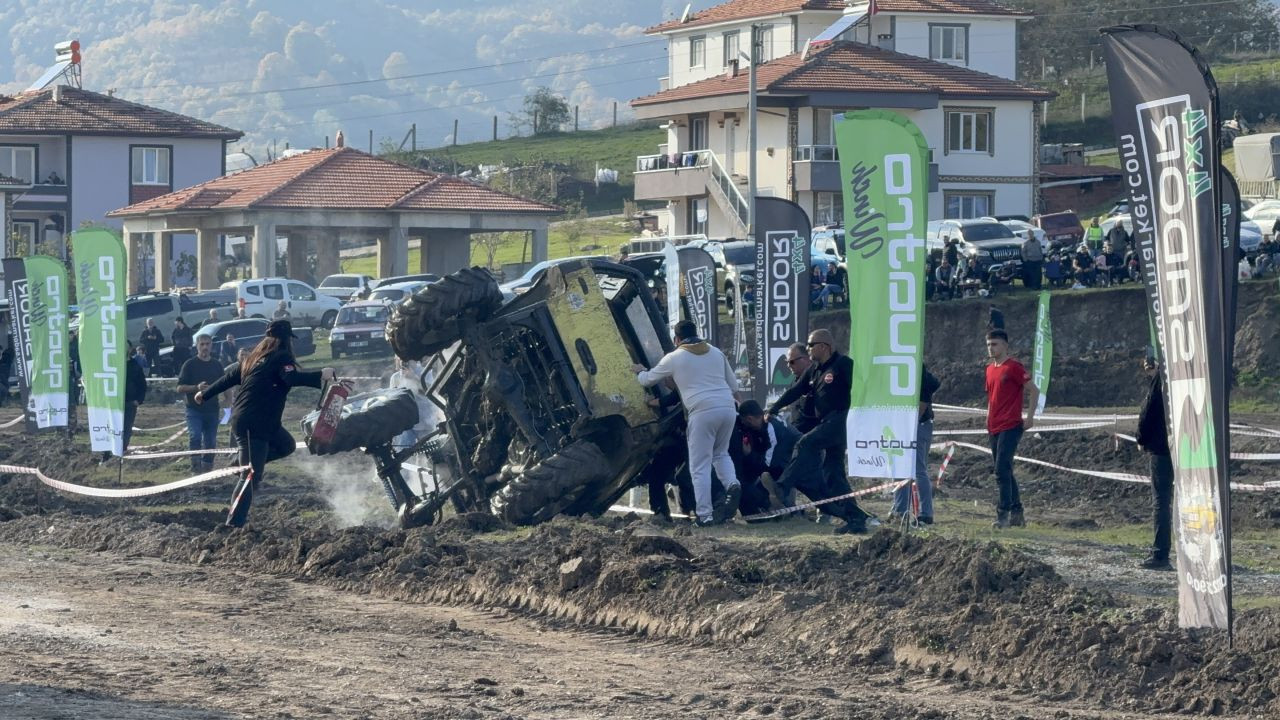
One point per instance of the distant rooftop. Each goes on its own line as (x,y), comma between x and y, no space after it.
(84,112)
(746,9)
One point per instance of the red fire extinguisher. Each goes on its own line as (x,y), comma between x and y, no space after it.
(332,398)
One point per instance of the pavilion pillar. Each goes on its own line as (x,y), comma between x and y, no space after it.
(207,260)
(447,251)
(393,253)
(164,261)
(541,236)
(262,251)
(134,274)
(328,260)
(296,257)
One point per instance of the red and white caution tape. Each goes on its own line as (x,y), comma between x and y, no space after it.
(162,427)
(1122,477)
(1249,457)
(942,469)
(119,492)
(180,453)
(162,443)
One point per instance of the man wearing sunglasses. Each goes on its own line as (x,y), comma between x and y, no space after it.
(817,466)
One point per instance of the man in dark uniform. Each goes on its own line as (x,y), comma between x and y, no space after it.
(152,338)
(1153,436)
(817,466)
(182,343)
(760,446)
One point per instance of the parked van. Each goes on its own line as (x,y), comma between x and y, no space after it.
(307,308)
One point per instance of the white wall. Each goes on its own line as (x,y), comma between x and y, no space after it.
(992,42)
(679,71)
(1014,132)
(100,172)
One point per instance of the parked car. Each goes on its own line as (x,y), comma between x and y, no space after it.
(1063,228)
(735,266)
(248,333)
(164,307)
(985,242)
(346,286)
(1250,231)
(307,308)
(395,292)
(1264,213)
(360,328)
(828,240)
(1022,227)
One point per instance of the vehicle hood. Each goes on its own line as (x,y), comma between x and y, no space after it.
(996,242)
(359,327)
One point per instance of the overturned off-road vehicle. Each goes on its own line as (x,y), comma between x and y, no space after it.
(542,412)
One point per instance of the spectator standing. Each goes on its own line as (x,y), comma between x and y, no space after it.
(183,338)
(281,311)
(1032,260)
(1093,235)
(706,384)
(1119,238)
(924,437)
(1007,382)
(6,368)
(241,313)
(152,338)
(195,375)
(213,316)
(227,351)
(817,466)
(135,393)
(1153,437)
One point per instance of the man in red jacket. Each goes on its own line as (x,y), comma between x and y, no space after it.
(1007,385)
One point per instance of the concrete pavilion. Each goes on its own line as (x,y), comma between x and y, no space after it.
(313,197)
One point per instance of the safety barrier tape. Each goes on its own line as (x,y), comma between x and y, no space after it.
(119,492)
(1082,417)
(162,443)
(1034,428)
(1252,457)
(942,469)
(1122,477)
(162,427)
(180,453)
(11,423)
(892,485)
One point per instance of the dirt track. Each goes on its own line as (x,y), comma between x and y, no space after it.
(99,635)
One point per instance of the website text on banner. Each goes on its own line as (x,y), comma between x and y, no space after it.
(51,364)
(100,288)
(782,293)
(18,292)
(1042,361)
(883,168)
(1165,108)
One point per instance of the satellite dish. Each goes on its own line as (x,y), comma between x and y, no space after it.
(684,16)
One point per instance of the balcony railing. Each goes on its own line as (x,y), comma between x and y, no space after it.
(673,161)
(816,153)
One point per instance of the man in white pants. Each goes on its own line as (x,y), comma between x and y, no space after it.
(706,384)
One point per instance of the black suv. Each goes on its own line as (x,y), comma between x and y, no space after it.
(985,243)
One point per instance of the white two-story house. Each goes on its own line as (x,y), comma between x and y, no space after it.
(948,65)
(85,154)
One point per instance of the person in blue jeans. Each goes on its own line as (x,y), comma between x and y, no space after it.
(202,419)
(924,436)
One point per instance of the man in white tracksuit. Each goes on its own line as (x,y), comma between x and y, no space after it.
(706,384)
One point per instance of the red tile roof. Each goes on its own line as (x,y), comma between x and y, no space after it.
(854,67)
(83,112)
(337,179)
(1074,172)
(744,9)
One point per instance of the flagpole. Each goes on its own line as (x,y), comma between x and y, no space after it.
(751,133)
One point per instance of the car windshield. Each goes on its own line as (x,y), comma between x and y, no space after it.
(365,314)
(978,232)
(740,255)
(341,282)
(388,294)
(1065,221)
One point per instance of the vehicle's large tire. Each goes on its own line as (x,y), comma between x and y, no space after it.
(368,420)
(328,319)
(552,485)
(429,320)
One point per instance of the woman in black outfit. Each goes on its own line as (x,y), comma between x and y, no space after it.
(265,378)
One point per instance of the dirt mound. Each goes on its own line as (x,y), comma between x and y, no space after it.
(981,615)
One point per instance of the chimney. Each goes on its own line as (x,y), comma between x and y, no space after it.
(340,141)
(57,93)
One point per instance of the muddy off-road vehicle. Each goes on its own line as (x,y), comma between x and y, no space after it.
(543,414)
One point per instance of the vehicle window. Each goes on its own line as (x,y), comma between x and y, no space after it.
(986,231)
(339,282)
(298,291)
(392,295)
(244,328)
(741,255)
(365,314)
(253,290)
(1059,222)
(148,308)
(273,291)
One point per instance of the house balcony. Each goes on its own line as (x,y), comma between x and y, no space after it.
(43,196)
(817,168)
(673,175)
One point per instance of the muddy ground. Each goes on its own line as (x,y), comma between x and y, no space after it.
(150,609)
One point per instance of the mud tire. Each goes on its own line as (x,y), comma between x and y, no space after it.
(546,489)
(368,420)
(430,320)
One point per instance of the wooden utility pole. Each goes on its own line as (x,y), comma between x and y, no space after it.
(615,113)
(413,129)
(370,141)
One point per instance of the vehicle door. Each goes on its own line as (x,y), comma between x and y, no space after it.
(303,307)
(272,294)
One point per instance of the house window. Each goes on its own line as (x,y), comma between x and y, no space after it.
(18,162)
(698,51)
(698,133)
(828,208)
(766,43)
(964,205)
(25,232)
(730,43)
(969,131)
(949,43)
(150,166)
(823,127)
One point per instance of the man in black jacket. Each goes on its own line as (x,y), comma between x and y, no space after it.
(817,466)
(924,437)
(1153,436)
(152,338)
